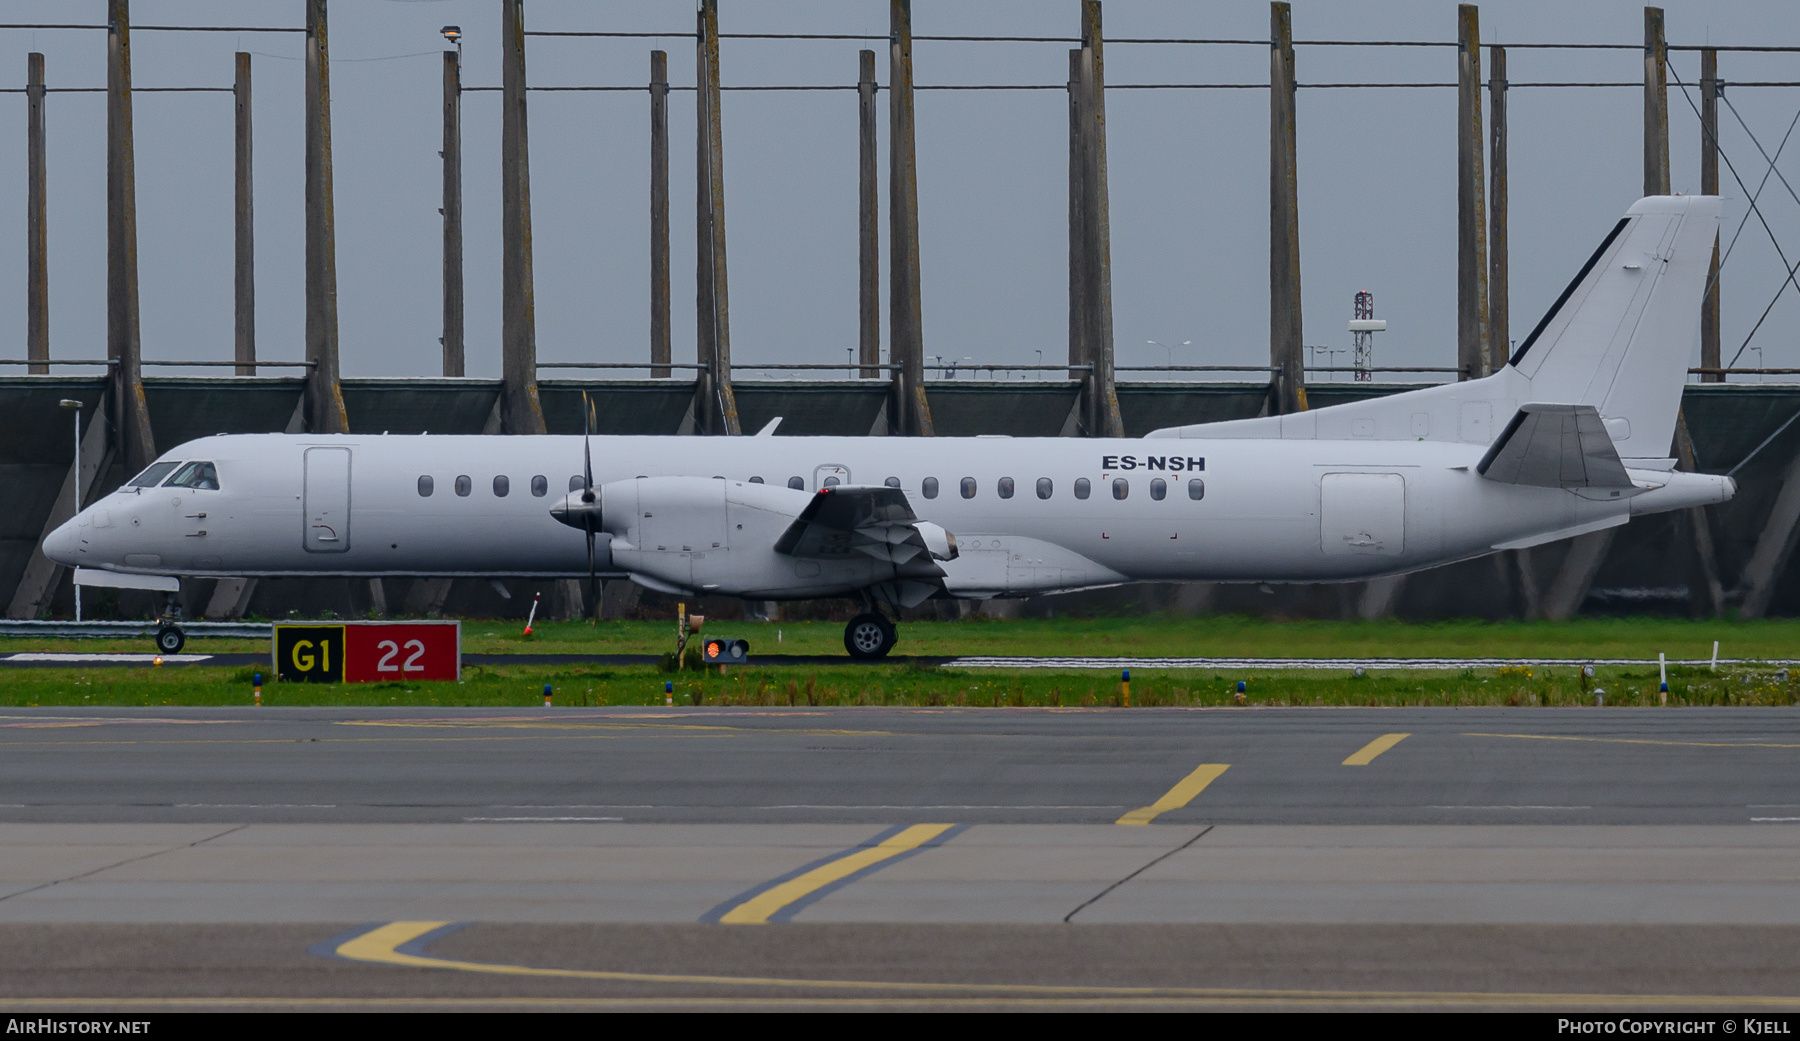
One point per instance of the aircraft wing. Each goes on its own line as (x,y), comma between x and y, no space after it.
(872,520)
(1555,446)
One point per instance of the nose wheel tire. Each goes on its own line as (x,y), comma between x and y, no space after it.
(869,636)
(169,640)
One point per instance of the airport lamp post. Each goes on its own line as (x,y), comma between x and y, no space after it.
(75,407)
(1168,350)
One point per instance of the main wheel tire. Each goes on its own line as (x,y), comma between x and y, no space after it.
(869,636)
(169,639)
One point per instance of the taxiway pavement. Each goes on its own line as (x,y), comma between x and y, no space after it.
(672,858)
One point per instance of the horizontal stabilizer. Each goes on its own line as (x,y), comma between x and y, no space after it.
(1555,446)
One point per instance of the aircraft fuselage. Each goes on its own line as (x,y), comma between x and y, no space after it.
(1230,510)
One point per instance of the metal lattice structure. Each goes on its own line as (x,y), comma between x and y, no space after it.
(1362,358)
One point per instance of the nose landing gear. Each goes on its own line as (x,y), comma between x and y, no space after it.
(869,636)
(169,637)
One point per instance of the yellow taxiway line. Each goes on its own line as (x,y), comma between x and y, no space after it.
(1638,741)
(1366,755)
(757,909)
(380,946)
(1177,797)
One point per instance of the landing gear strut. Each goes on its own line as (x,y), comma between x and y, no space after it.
(869,636)
(169,637)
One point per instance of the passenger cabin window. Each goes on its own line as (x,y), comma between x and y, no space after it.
(1158,488)
(1196,489)
(1083,488)
(540,486)
(796,484)
(426,486)
(968,487)
(832,482)
(756,480)
(928,487)
(1121,488)
(1045,488)
(501,487)
(577,483)
(153,475)
(892,482)
(199,476)
(464,485)
(1006,487)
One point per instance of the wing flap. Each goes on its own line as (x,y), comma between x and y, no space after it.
(875,521)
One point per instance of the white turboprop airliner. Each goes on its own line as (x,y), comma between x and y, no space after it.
(1573,435)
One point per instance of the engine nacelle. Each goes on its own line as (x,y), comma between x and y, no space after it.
(710,535)
(938,542)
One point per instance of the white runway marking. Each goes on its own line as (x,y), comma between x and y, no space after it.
(142,659)
(541,819)
(1509,807)
(908,806)
(1325,663)
(607,806)
(255,806)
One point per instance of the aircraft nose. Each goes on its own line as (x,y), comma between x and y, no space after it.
(61,544)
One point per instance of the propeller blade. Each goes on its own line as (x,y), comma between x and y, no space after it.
(593,580)
(589,520)
(587,461)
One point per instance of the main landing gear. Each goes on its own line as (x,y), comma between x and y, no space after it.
(869,636)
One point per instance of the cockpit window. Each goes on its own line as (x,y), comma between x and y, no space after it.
(153,476)
(195,475)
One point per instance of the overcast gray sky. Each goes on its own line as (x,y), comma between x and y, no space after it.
(1188,174)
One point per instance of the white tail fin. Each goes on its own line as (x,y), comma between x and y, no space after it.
(1619,338)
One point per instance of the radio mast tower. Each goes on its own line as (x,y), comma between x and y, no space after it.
(1363,327)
